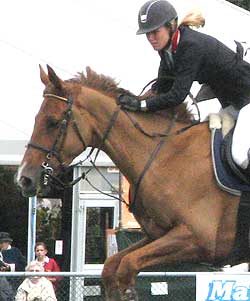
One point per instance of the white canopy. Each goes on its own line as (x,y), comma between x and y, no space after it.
(72,34)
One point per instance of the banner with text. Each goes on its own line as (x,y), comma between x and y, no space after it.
(222,287)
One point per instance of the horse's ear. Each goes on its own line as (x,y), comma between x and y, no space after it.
(54,79)
(43,76)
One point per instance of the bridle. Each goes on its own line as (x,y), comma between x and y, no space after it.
(55,150)
(58,143)
(67,116)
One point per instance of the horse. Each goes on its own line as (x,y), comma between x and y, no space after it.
(174,196)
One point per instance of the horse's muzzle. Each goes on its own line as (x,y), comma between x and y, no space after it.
(27,186)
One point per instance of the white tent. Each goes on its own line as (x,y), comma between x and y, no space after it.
(72,34)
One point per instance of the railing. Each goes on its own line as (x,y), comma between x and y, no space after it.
(88,285)
(151,286)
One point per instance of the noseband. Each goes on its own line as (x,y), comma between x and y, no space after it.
(57,145)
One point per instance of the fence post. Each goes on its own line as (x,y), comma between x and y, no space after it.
(31,228)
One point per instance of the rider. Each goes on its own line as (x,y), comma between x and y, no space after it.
(187,56)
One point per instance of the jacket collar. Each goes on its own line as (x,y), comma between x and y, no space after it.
(171,49)
(175,41)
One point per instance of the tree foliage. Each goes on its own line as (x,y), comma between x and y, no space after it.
(242,3)
(48,225)
(14,208)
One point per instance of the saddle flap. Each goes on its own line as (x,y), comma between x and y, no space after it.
(229,176)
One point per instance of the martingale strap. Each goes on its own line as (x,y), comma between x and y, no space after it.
(150,160)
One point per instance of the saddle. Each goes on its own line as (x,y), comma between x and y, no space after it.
(228,174)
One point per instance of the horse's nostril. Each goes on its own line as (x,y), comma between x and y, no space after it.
(25,182)
(27,186)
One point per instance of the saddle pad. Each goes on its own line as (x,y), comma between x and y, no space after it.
(226,179)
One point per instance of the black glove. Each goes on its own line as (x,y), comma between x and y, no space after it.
(129,103)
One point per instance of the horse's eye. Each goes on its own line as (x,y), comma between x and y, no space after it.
(52,123)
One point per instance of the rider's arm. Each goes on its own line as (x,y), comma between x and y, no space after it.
(187,64)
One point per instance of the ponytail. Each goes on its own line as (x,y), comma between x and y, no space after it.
(194,18)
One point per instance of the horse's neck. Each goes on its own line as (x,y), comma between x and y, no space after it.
(127,147)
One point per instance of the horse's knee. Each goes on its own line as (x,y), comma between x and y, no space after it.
(127,271)
(108,277)
(110,266)
(109,272)
(106,271)
(118,275)
(112,291)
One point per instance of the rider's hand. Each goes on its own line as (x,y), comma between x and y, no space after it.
(5,268)
(129,103)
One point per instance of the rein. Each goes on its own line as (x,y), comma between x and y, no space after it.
(156,150)
(163,137)
(57,146)
(159,135)
(170,77)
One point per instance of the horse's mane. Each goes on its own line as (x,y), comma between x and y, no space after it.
(109,86)
(100,82)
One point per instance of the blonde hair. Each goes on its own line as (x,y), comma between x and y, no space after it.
(34,263)
(194,18)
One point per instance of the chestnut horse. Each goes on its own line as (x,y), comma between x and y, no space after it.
(186,217)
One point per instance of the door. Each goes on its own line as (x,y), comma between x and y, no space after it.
(98,216)
(93,212)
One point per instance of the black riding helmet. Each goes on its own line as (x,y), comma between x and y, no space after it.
(154,14)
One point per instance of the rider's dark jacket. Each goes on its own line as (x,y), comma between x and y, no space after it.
(200,57)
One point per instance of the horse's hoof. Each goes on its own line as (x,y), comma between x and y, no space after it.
(130,295)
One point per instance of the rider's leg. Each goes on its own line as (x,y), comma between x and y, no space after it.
(228,116)
(241,141)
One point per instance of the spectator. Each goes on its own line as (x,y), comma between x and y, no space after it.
(11,256)
(35,288)
(6,290)
(49,264)
(11,259)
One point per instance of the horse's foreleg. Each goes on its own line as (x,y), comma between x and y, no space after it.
(178,245)
(111,265)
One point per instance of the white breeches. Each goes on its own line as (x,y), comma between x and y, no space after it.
(241,139)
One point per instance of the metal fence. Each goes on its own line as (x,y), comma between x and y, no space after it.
(88,286)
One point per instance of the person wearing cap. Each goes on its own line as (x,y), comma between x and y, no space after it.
(188,55)
(11,256)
